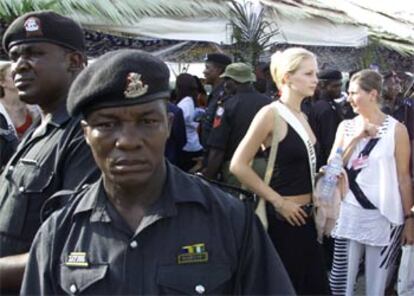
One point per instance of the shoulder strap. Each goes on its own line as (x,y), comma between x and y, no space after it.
(273,149)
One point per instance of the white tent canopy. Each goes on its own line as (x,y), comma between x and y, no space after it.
(318,32)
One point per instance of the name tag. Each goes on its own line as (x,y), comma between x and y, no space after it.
(77,259)
(360,163)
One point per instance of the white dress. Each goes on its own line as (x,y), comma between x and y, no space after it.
(379,182)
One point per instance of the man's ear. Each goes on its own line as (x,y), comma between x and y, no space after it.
(85,129)
(77,61)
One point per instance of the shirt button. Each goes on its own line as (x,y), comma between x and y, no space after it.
(11,168)
(73,289)
(200,289)
(21,189)
(133,244)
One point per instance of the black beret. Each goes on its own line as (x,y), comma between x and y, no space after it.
(218,58)
(119,78)
(44,26)
(330,75)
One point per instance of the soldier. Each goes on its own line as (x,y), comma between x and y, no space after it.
(46,51)
(216,63)
(326,114)
(232,121)
(146,227)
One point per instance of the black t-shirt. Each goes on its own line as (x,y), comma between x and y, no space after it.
(233,120)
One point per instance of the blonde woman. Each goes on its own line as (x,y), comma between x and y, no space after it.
(18,115)
(289,196)
(376,158)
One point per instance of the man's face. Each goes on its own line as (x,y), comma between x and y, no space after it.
(40,72)
(230,86)
(392,87)
(211,72)
(128,143)
(333,89)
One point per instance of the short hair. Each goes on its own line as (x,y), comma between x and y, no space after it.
(287,61)
(368,80)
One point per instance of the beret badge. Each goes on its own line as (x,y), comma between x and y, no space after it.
(32,27)
(135,87)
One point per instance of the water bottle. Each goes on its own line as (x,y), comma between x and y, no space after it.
(327,184)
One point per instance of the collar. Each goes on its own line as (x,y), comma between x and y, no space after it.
(178,188)
(60,116)
(184,188)
(94,200)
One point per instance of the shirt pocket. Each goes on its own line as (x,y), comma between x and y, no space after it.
(32,184)
(194,279)
(75,281)
(32,177)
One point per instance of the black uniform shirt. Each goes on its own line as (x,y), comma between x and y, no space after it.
(187,243)
(325,121)
(238,112)
(54,159)
(404,113)
(207,121)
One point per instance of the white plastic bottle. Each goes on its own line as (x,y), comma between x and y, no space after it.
(327,184)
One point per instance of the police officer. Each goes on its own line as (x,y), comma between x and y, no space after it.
(232,121)
(326,113)
(215,64)
(46,51)
(146,227)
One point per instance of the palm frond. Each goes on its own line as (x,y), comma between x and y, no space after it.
(127,12)
(251,31)
(11,9)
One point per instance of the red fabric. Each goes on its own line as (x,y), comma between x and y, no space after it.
(22,129)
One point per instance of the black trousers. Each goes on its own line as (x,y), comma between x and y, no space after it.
(301,254)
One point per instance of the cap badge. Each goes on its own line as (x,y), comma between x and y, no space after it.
(32,27)
(135,87)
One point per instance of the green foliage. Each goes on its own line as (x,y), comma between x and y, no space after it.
(11,9)
(251,32)
(371,55)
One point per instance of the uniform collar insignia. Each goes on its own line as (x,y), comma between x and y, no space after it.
(77,259)
(135,87)
(193,254)
(33,27)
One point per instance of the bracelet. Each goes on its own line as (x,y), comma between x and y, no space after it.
(409,216)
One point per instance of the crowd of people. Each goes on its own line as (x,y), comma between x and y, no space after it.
(112,183)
